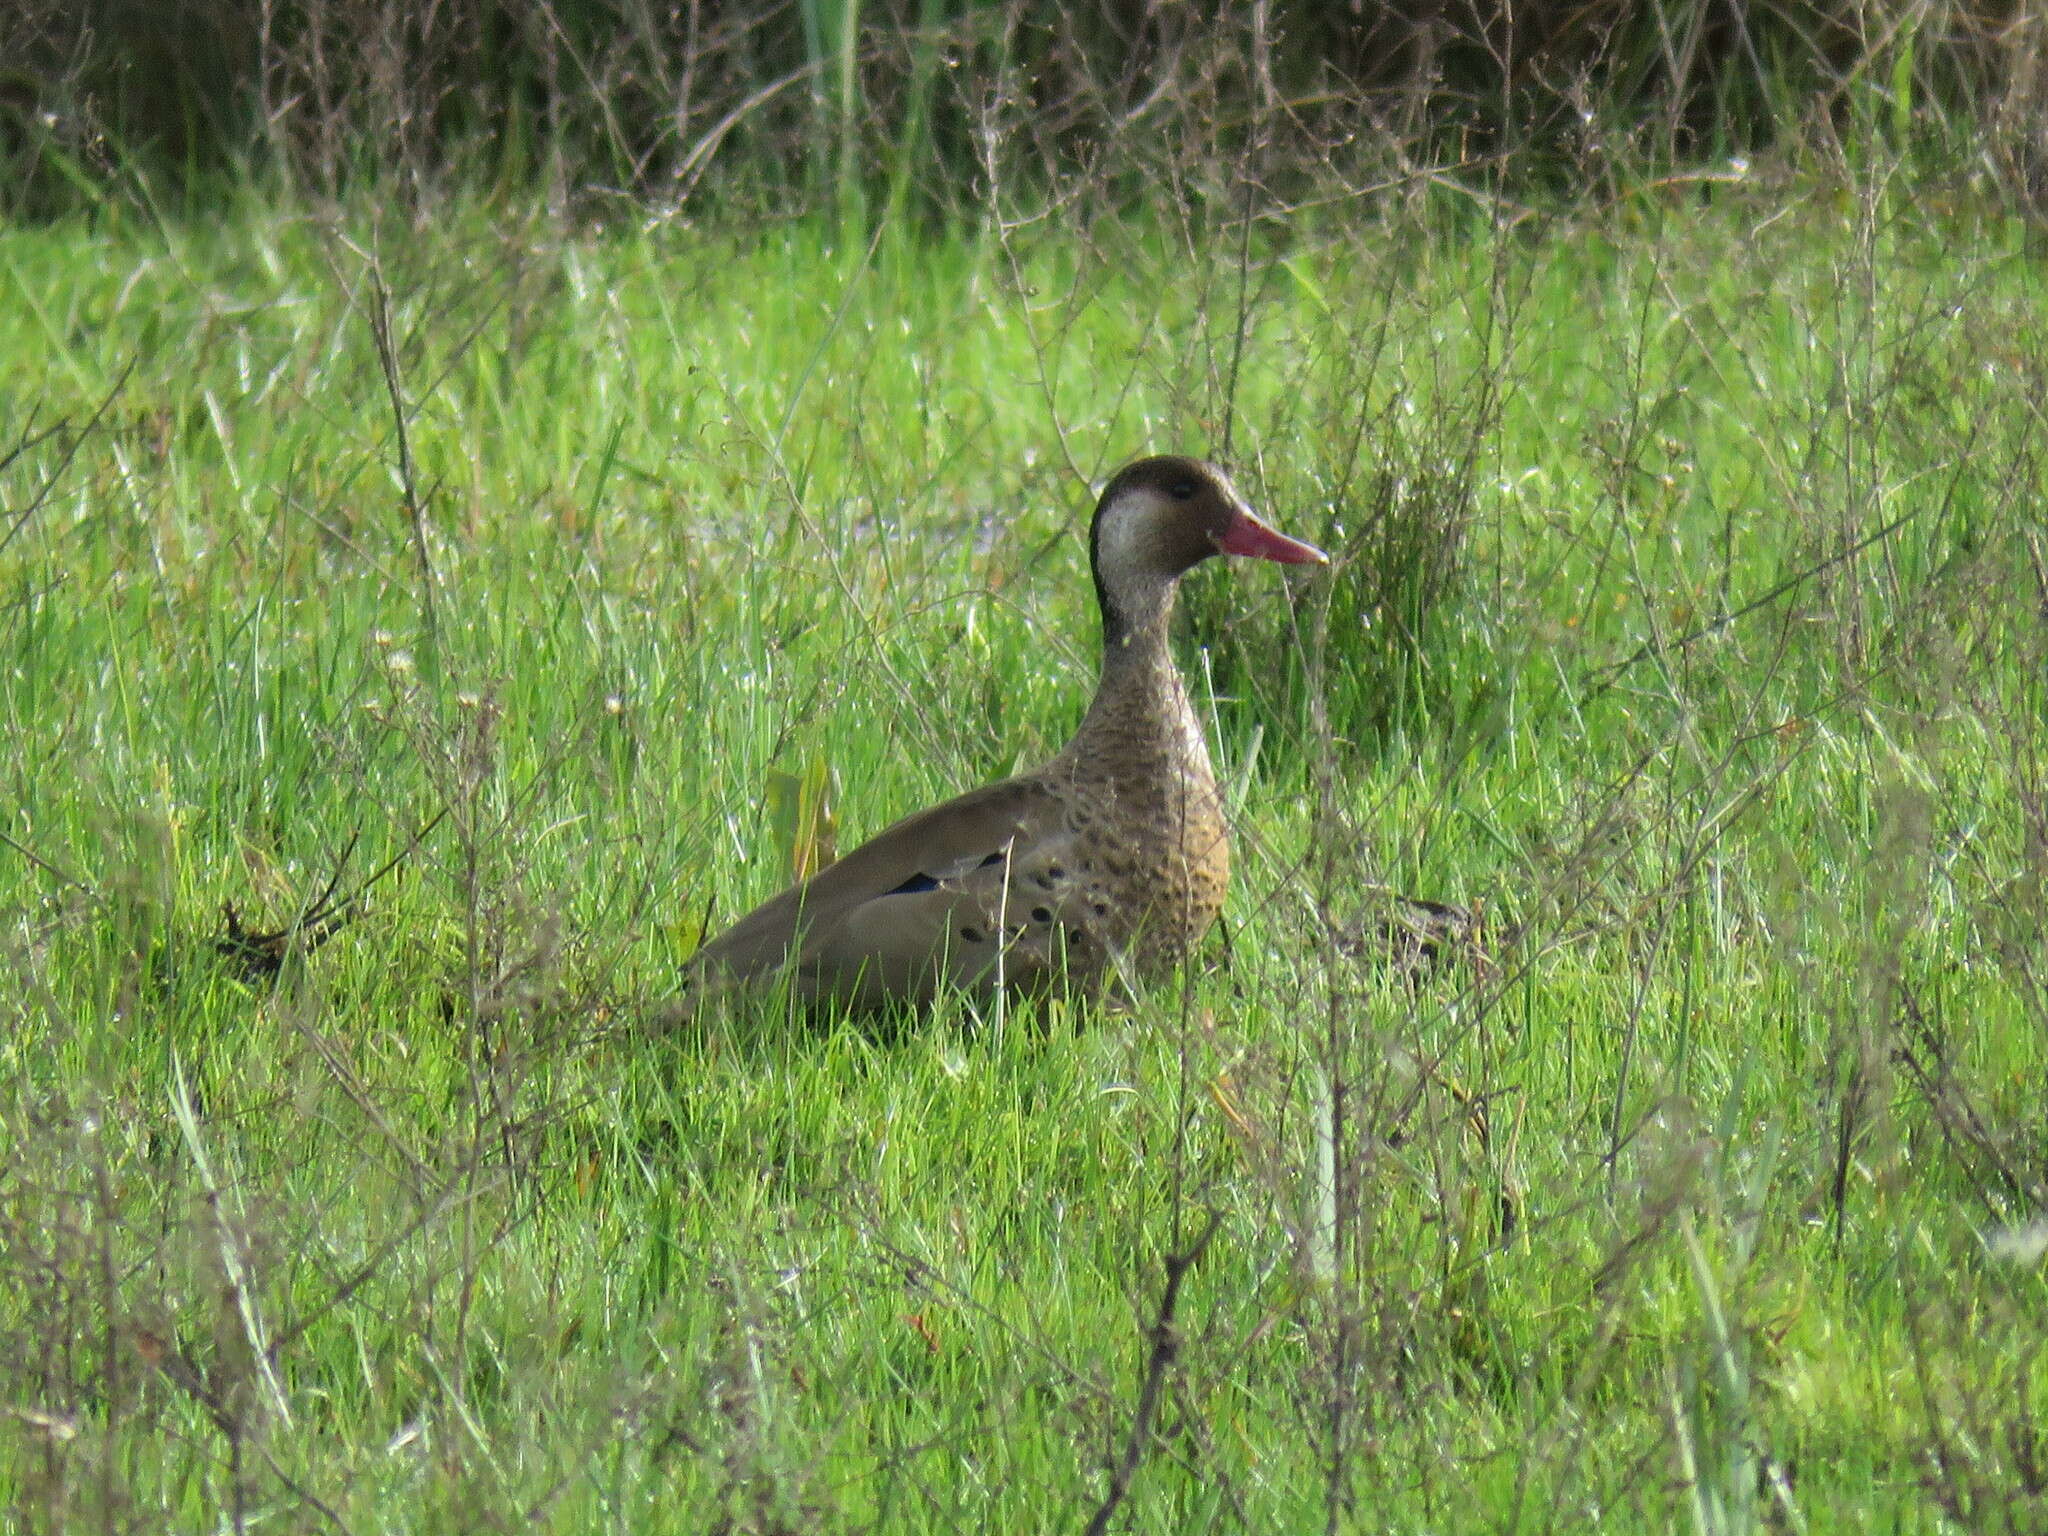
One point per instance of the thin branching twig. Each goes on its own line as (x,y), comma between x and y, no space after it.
(1165,1349)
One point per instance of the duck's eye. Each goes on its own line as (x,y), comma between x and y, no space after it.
(1182,490)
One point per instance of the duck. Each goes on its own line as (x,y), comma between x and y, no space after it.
(1109,860)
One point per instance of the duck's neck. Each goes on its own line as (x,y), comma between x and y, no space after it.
(1142,726)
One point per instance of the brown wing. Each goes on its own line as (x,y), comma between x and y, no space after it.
(965,893)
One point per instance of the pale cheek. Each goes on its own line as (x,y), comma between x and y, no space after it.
(1126,536)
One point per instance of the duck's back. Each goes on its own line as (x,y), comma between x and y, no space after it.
(1036,881)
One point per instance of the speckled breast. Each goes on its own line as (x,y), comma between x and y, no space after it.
(1154,860)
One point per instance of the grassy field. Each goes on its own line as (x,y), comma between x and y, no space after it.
(1690,621)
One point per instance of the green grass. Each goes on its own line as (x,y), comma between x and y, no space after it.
(1681,1211)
